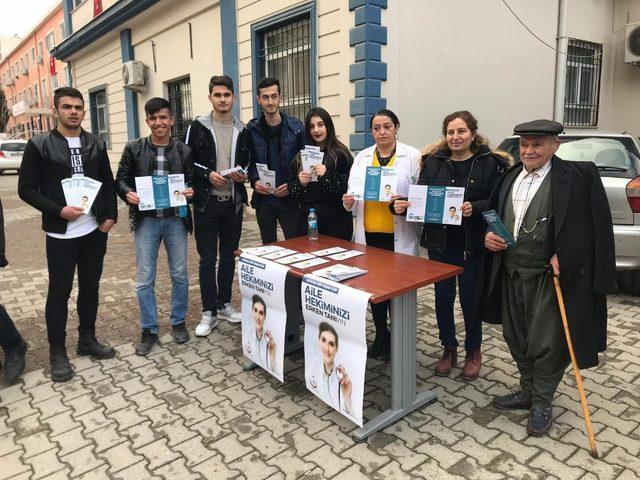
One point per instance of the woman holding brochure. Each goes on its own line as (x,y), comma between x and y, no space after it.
(322,185)
(375,225)
(460,159)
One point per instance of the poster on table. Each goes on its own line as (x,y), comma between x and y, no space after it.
(160,191)
(264,315)
(435,204)
(335,348)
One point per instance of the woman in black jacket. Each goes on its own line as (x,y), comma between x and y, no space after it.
(325,195)
(461,159)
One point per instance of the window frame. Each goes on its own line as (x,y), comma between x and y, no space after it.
(575,87)
(258,31)
(93,113)
(183,122)
(46,40)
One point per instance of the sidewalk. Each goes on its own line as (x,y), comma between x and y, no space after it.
(190,411)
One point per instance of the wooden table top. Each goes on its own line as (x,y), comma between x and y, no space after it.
(389,274)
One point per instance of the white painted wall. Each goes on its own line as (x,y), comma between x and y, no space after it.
(474,57)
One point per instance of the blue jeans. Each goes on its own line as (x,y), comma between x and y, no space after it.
(173,233)
(446,296)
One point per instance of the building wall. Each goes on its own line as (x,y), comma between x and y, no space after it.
(83,14)
(475,57)
(36,73)
(333,55)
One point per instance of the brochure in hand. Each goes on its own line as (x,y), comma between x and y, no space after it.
(339,272)
(498,227)
(435,204)
(375,184)
(160,191)
(311,156)
(225,173)
(267,177)
(80,192)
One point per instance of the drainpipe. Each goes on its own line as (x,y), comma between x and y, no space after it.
(562,46)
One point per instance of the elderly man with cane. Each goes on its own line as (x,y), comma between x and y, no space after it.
(558,214)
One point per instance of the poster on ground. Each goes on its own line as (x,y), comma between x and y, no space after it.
(264,314)
(335,348)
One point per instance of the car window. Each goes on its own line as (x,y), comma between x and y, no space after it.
(604,152)
(13,146)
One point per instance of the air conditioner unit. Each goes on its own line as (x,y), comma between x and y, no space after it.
(25,71)
(10,81)
(632,44)
(40,59)
(134,75)
(33,101)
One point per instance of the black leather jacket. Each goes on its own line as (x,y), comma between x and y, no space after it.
(138,159)
(3,259)
(47,161)
(486,169)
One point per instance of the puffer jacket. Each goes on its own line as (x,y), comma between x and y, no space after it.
(486,169)
(138,158)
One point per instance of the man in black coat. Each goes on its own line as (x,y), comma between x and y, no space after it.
(558,213)
(76,237)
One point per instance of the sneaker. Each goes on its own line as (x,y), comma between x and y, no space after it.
(229,313)
(447,361)
(207,323)
(147,340)
(14,362)
(60,367)
(180,333)
(472,363)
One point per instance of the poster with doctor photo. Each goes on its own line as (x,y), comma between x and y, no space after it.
(335,349)
(264,314)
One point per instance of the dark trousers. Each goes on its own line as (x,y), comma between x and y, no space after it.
(380,311)
(269,215)
(87,253)
(331,222)
(10,338)
(218,227)
(533,331)
(446,296)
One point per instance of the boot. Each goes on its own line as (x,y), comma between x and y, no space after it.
(385,350)
(147,341)
(14,362)
(540,420)
(472,363)
(376,346)
(447,361)
(88,345)
(60,367)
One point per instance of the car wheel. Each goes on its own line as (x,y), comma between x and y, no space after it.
(629,282)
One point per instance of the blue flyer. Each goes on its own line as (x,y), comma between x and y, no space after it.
(435,204)
(372,184)
(498,227)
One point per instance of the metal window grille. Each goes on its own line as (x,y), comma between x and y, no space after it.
(99,114)
(180,100)
(582,90)
(286,55)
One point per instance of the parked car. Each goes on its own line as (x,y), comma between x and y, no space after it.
(11,154)
(617,156)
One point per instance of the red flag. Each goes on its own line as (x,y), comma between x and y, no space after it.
(97,7)
(52,65)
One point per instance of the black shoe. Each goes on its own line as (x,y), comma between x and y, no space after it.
(90,346)
(180,333)
(540,420)
(60,367)
(385,350)
(513,401)
(14,362)
(147,341)
(376,346)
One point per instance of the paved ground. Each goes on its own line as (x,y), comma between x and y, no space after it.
(190,411)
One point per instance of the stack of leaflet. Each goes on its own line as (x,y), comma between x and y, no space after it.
(339,272)
(311,156)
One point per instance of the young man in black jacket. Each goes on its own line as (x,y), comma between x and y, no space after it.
(74,238)
(217,145)
(15,348)
(274,140)
(160,156)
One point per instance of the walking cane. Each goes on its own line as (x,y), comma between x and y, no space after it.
(576,370)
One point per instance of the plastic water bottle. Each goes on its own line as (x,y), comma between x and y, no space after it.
(312,222)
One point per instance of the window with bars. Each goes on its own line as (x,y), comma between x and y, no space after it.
(99,114)
(285,54)
(582,88)
(180,100)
